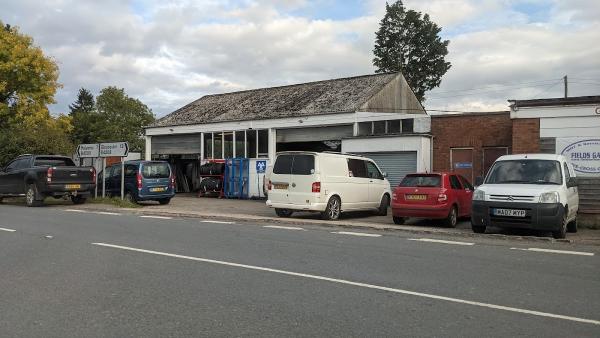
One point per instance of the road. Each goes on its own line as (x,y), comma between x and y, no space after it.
(66,273)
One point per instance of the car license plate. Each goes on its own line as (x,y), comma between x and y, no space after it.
(416,197)
(509,212)
(72,186)
(280,186)
(158,189)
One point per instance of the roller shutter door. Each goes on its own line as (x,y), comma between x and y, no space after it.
(176,144)
(396,164)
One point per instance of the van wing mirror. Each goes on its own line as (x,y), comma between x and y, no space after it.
(478,180)
(572,182)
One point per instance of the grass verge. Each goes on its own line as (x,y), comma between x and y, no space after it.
(116,201)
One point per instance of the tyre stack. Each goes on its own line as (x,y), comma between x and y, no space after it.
(211,175)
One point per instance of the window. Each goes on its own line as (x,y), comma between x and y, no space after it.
(240,144)
(365,128)
(263,143)
(218,141)
(407,125)
(283,165)
(433,181)
(130,170)
(357,168)
(454,182)
(373,171)
(228,145)
(12,166)
(53,162)
(156,170)
(23,163)
(567,173)
(116,171)
(208,145)
(525,172)
(466,183)
(393,127)
(378,127)
(294,165)
(251,143)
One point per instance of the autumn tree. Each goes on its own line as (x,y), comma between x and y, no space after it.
(409,42)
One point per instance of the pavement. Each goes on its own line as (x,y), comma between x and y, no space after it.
(70,272)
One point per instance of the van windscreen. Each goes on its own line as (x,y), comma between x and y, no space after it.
(294,165)
(156,170)
(433,181)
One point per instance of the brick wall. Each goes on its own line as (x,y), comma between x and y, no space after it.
(526,136)
(469,130)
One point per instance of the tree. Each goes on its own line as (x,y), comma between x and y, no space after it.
(410,43)
(121,118)
(84,116)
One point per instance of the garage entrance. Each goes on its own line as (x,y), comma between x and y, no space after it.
(395,164)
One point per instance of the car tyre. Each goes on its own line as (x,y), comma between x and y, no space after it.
(572,226)
(398,220)
(31,196)
(478,229)
(383,206)
(285,213)
(78,199)
(130,198)
(333,210)
(562,231)
(164,201)
(452,218)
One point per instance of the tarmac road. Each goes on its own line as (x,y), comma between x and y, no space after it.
(73,273)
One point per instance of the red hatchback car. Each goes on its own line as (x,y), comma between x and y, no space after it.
(434,196)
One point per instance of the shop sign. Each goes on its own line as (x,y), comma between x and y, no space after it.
(261,167)
(584,154)
(463,165)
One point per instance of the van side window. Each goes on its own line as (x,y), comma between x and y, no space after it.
(283,165)
(116,172)
(130,170)
(303,165)
(373,171)
(357,168)
(454,182)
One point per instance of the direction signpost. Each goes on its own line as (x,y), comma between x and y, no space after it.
(104,150)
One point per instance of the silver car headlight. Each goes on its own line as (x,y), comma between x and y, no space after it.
(549,197)
(478,195)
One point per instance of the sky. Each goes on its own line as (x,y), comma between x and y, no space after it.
(168,53)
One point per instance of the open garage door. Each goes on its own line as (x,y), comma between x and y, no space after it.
(395,164)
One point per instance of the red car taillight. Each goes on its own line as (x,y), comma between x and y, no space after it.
(442,198)
(93,171)
(49,173)
(394,197)
(138,178)
(316,187)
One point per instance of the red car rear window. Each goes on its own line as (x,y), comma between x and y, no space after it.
(434,181)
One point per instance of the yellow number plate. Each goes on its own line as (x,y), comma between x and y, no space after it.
(416,197)
(73,186)
(158,189)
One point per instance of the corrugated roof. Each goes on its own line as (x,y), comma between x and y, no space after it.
(313,98)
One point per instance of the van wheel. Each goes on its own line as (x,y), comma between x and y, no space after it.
(383,206)
(398,220)
(478,229)
(284,212)
(562,231)
(452,218)
(333,210)
(78,199)
(572,226)
(31,197)
(130,198)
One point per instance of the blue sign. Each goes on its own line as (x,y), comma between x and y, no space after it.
(463,165)
(261,167)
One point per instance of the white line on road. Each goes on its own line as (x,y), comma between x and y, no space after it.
(108,213)
(283,227)
(157,217)
(219,222)
(7,230)
(580,253)
(363,234)
(76,210)
(364,285)
(439,241)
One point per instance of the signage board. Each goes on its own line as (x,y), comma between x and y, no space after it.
(463,165)
(261,167)
(120,149)
(88,150)
(582,153)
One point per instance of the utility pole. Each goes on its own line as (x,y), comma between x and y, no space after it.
(566,86)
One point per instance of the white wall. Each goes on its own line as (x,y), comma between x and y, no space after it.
(571,126)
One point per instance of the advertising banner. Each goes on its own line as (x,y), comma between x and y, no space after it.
(583,153)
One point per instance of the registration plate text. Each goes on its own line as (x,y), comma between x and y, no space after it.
(280,186)
(158,189)
(509,212)
(72,186)
(416,197)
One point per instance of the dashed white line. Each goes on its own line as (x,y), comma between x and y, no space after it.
(219,222)
(7,230)
(440,241)
(363,234)
(566,252)
(77,210)
(157,217)
(363,285)
(283,227)
(107,213)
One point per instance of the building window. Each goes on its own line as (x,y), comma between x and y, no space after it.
(263,143)
(408,125)
(240,144)
(251,143)
(218,145)
(365,128)
(228,145)
(393,126)
(378,127)
(208,145)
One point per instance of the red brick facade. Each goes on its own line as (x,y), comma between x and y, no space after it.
(526,136)
(476,131)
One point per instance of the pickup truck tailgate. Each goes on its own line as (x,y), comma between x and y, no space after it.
(69,175)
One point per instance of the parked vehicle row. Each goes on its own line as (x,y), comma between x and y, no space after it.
(531,191)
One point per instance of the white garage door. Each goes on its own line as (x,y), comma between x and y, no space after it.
(395,164)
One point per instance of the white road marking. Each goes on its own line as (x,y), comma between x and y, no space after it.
(364,285)
(219,222)
(107,213)
(7,230)
(580,253)
(158,217)
(283,227)
(439,241)
(77,210)
(363,234)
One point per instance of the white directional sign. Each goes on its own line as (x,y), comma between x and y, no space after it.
(88,150)
(120,149)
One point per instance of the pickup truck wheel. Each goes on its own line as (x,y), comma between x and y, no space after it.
(572,227)
(452,218)
(562,231)
(78,199)
(383,206)
(31,197)
(283,212)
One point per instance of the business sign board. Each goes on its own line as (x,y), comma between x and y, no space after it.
(88,150)
(582,153)
(463,165)
(261,167)
(119,149)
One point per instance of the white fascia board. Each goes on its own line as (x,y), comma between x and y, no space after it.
(554,111)
(365,116)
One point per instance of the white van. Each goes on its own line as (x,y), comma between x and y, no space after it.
(532,191)
(328,183)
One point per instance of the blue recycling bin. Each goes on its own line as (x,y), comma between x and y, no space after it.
(235,181)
